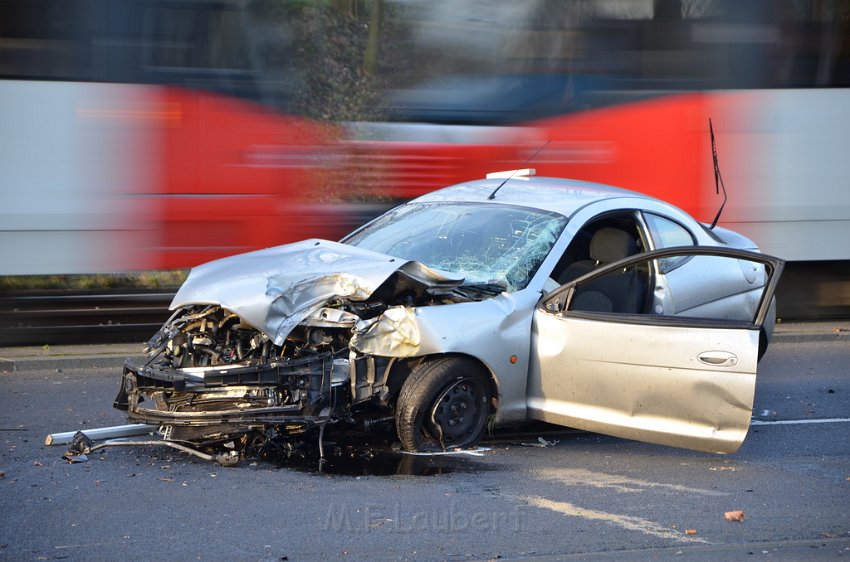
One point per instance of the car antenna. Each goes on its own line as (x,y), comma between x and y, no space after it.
(718,179)
(527,162)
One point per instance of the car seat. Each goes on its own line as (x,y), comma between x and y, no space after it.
(618,291)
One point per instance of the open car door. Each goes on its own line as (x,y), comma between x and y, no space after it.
(616,352)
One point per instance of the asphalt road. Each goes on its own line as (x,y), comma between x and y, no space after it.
(587,497)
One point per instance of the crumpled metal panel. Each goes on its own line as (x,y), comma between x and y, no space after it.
(494,331)
(277,288)
(393,334)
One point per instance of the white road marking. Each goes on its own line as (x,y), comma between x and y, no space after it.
(627,522)
(582,477)
(799,422)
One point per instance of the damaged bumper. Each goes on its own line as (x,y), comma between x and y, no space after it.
(220,401)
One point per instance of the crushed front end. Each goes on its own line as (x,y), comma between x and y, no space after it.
(211,379)
(256,353)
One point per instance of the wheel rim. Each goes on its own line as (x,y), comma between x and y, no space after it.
(456,417)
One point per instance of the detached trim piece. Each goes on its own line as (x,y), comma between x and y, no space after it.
(96,433)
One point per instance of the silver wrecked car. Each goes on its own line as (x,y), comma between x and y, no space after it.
(488,303)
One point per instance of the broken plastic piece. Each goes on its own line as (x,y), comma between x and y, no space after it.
(541,443)
(74,458)
(80,446)
(734,515)
(228,459)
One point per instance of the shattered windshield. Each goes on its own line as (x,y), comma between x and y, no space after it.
(487,243)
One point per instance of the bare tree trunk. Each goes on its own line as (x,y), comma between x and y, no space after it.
(370,59)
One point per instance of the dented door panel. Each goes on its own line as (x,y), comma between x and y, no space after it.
(680,380)
(644,382)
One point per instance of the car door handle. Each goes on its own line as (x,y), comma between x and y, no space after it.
(718,358)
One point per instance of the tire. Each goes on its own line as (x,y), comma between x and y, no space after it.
(443,404)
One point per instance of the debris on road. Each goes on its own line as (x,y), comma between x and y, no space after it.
(541,443)
(82,445)
(74,457)
(129,430)
(734,515)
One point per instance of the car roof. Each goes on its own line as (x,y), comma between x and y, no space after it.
(564,196)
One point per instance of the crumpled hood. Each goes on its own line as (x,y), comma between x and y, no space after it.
(277,288)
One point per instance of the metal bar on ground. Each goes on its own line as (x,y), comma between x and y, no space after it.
(99,433)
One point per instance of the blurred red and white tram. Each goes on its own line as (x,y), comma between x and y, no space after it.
(135,136)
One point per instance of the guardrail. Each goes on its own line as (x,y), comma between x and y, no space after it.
(60,317)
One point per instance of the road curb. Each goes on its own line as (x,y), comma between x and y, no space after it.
(814,332)
(809,338)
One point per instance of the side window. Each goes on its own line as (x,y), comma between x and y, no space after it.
(600,241)
(668,234)
(721,286)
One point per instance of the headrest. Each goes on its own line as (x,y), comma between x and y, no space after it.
(611,244)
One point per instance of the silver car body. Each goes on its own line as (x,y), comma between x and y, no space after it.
(661,377)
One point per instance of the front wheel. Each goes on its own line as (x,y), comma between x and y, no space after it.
(443,404)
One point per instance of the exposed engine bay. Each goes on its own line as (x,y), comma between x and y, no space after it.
(211,378)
